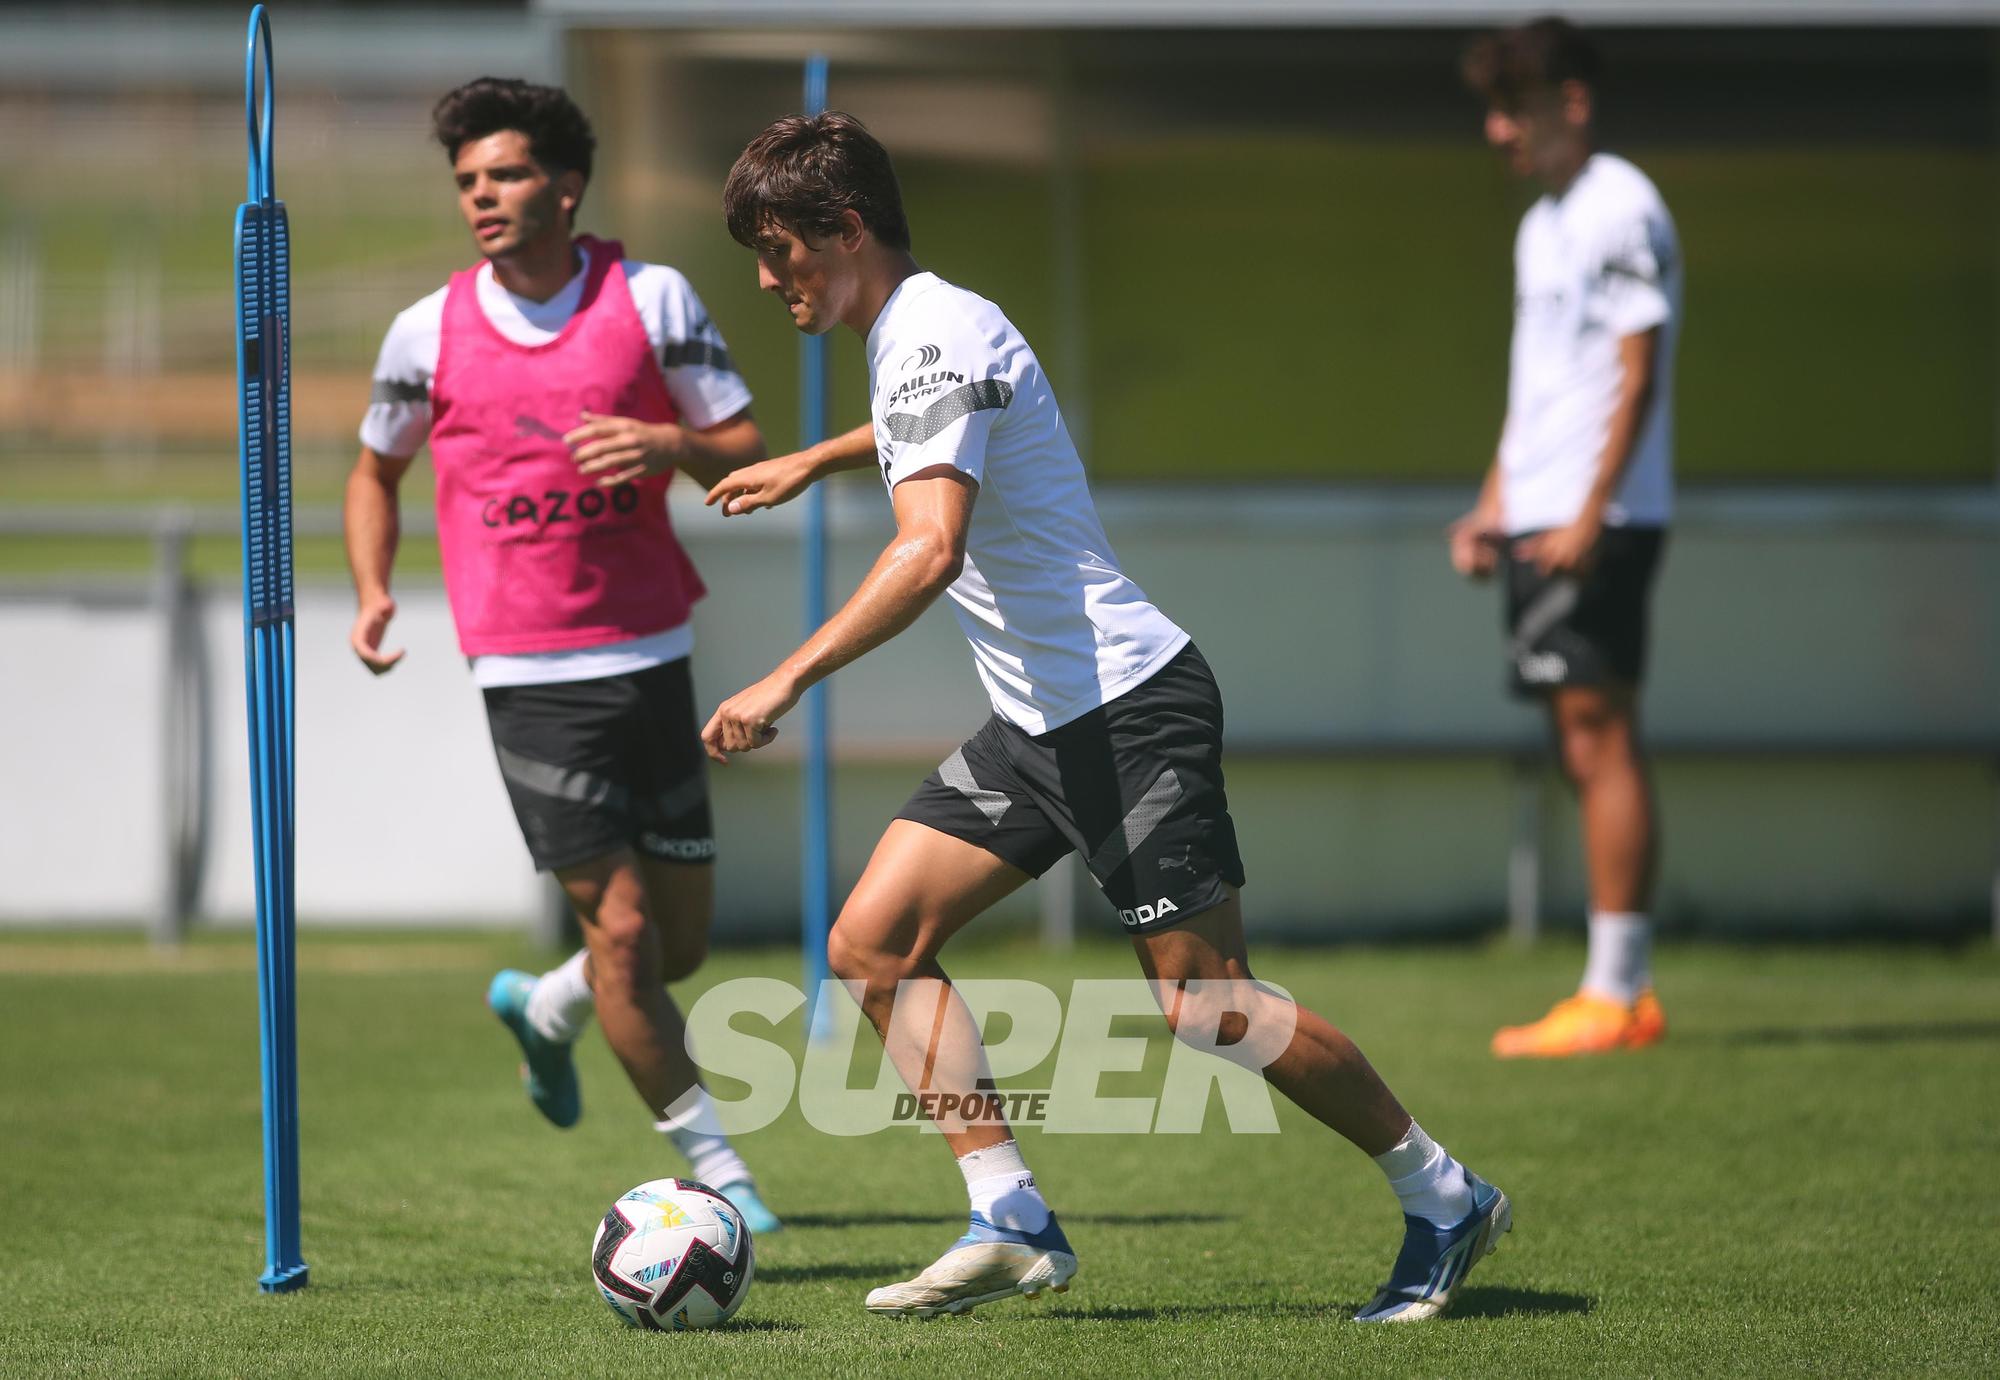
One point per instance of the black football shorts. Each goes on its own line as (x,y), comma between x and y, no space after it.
(1587,629)
(595,766)
(1135,787)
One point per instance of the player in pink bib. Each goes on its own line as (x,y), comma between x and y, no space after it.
(537,557)
(559,386)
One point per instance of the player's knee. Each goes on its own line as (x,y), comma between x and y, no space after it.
(1580,755)
(1232,1028)
(1207,1014)
(682,954)
(1177,965)
(852,958)
(1203,994)
(844,958)
(626,951)
(1594,748)
(621,926)
(586,897)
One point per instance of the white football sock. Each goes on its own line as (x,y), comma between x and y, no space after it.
(1429,1183)
(1620,965)
(692,1125)
(560,1007)
(1001,1188)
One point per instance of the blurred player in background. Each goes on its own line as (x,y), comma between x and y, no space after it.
(559,385)
(1106,735)
(1574,510)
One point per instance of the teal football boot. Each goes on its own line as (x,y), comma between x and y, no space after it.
(547,1071)
(759,1218)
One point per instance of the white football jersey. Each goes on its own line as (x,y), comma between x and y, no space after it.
(1599,262)
(1056,628)
(695,363)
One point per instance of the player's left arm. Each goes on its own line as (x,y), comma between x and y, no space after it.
(1568,550)
(716,435)
(933,512)
(617,450)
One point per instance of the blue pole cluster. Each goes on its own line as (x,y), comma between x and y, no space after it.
(264,378)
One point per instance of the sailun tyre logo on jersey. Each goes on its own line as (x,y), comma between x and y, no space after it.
(922,359)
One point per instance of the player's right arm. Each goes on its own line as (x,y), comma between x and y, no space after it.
(394,429)
(783,478)
(372,524)
(1476,537)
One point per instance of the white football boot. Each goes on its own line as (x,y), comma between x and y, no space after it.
(986,1264)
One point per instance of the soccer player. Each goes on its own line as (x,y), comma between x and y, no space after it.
(1574,510)
(1106,735)
(560,385)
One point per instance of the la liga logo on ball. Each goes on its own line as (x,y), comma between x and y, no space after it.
(673,1255)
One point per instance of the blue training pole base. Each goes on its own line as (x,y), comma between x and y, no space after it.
(283,1281)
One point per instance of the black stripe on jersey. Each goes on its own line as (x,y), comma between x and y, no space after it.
(399,391)
(679,354)
(977,396)
(1638,273)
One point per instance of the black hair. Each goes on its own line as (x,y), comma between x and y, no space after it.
(558,133)
(1511,65)
(804,172)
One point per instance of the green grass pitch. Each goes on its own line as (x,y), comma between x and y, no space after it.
(1800,1181)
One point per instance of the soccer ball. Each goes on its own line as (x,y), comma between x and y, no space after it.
(672,1254)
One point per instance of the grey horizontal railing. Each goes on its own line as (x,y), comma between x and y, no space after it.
(187,747)
(856,506)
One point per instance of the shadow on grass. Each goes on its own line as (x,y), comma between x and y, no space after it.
(919,1219)
(761,1325)
(868,1219)
(1469,1303)
(1486,1302)
(1146,1219)
(832,1269)
(1894,1033)
(1180,1312)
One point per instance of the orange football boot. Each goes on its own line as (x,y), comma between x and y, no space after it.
(1649,1022)
(1581,1024)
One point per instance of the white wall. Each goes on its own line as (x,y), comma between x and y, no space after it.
(1326,619)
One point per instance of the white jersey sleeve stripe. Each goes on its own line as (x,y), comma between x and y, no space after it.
(977,396)
(399,391)
(705,354)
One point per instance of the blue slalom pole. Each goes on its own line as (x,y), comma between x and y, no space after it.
(264,435)
(816,875)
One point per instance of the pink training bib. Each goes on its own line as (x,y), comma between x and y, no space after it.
(537,557)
